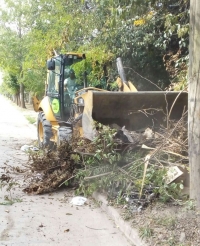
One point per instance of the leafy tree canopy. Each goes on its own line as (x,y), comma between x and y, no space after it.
(151,37)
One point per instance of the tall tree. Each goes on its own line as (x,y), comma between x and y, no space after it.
(194,101)
(13,31)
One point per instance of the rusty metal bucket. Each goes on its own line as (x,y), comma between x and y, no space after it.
(134,110)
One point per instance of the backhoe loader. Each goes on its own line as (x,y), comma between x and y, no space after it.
(68,106)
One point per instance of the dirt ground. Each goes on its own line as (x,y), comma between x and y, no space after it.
(167,224)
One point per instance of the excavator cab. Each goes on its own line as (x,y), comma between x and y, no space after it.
(55,109)
(61,82)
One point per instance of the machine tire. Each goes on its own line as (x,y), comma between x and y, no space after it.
(64,134)
(44,131)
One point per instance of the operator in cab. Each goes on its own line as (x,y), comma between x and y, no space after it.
(70,84)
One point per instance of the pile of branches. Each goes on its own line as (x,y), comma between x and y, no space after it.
(50,169)
(138,173)
(113,153)
(45,172)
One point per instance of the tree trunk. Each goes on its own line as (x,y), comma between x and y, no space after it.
(30,97)
(22,95)
(17,99)
(194,101)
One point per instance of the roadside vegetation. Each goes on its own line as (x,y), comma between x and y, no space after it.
(30,119)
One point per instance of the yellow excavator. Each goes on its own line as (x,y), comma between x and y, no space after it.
(69,106)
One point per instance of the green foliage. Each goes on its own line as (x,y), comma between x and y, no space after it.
(97,66)
(145,232)
(104,160)
(10,85)
(34,80)
(105,144)
(75,158)
(31,119)
(168,222)
(170,191)
(8,184)
(157,49)
(190,205)
(13,42)
(9,201)
(120,173)
(156,177)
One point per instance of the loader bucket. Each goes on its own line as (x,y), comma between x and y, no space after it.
(134,110)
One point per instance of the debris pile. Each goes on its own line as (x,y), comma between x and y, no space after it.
(50,170)
(140,166)
(134,166)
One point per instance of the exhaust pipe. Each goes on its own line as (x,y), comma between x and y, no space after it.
(121,72)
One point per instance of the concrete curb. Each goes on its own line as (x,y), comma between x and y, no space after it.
(124,226)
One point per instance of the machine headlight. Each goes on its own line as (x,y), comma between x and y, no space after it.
(80,101)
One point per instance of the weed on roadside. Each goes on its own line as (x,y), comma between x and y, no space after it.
(145,232)
(30,119)
(168,222)
(190,205)
(172,241)
(9,201)
(8,184)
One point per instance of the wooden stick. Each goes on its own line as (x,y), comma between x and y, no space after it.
(146,163)
(97,176)
(176,141)
(67,180)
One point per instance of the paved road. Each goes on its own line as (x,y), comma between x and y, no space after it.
(46,219)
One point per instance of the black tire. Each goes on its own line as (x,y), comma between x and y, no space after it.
(44,131)
(64,134)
